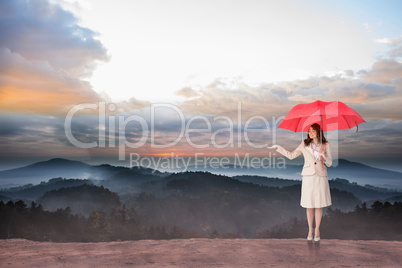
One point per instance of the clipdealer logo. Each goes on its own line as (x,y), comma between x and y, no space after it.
(148,130)
(112,132)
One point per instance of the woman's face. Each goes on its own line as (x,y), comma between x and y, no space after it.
(312,133)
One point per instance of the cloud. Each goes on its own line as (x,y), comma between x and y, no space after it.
(30,135)
(384,72)
(44,56)
(376,93)
(188,92)
(224,98)
(390,41)
(371,27)
(35,86)
(41,30)
(395,45)
(368,27)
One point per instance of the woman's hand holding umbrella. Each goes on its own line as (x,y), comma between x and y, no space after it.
(322,152)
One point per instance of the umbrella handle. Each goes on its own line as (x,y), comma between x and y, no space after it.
(322,163)
(322,150)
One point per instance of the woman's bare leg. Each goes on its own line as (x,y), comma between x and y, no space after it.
(318,216)
(310,218)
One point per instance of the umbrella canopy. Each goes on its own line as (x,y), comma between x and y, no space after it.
(330,115)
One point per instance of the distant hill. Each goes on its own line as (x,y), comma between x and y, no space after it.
(45,170)
(59,167)
(129,181)
(267,181)
(364,193)
(83,199)
(32,192)
(205,201)
(364,174)
(352,171)
(52,165)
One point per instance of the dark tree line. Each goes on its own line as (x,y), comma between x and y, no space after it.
(20,221)
(17,220)
(382,221)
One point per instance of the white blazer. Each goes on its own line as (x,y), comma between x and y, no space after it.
(312,165)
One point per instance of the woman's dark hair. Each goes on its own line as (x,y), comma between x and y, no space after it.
(320,135)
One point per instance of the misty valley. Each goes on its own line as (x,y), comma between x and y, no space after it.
(108,203)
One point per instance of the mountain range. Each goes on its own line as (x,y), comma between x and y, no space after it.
(59,167)
(345,169)
(193,200)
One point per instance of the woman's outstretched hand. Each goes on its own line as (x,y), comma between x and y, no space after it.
(273,147)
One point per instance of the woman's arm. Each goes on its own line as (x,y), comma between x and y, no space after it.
(284,152)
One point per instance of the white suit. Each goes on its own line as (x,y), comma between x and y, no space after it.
(315,186)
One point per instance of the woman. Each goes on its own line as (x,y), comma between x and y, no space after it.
(315,192)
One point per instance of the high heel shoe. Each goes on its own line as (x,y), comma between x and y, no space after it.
(309,238)
(317,239)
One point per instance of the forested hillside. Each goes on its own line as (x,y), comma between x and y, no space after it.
(138,205)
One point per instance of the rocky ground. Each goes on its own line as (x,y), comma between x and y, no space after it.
(202,253)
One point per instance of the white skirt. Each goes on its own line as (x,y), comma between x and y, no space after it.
(315,192)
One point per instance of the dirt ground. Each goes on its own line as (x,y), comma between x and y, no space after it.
(202,253)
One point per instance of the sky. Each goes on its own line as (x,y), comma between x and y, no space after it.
(97,81)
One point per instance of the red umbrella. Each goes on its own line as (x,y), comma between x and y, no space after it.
(330,115)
